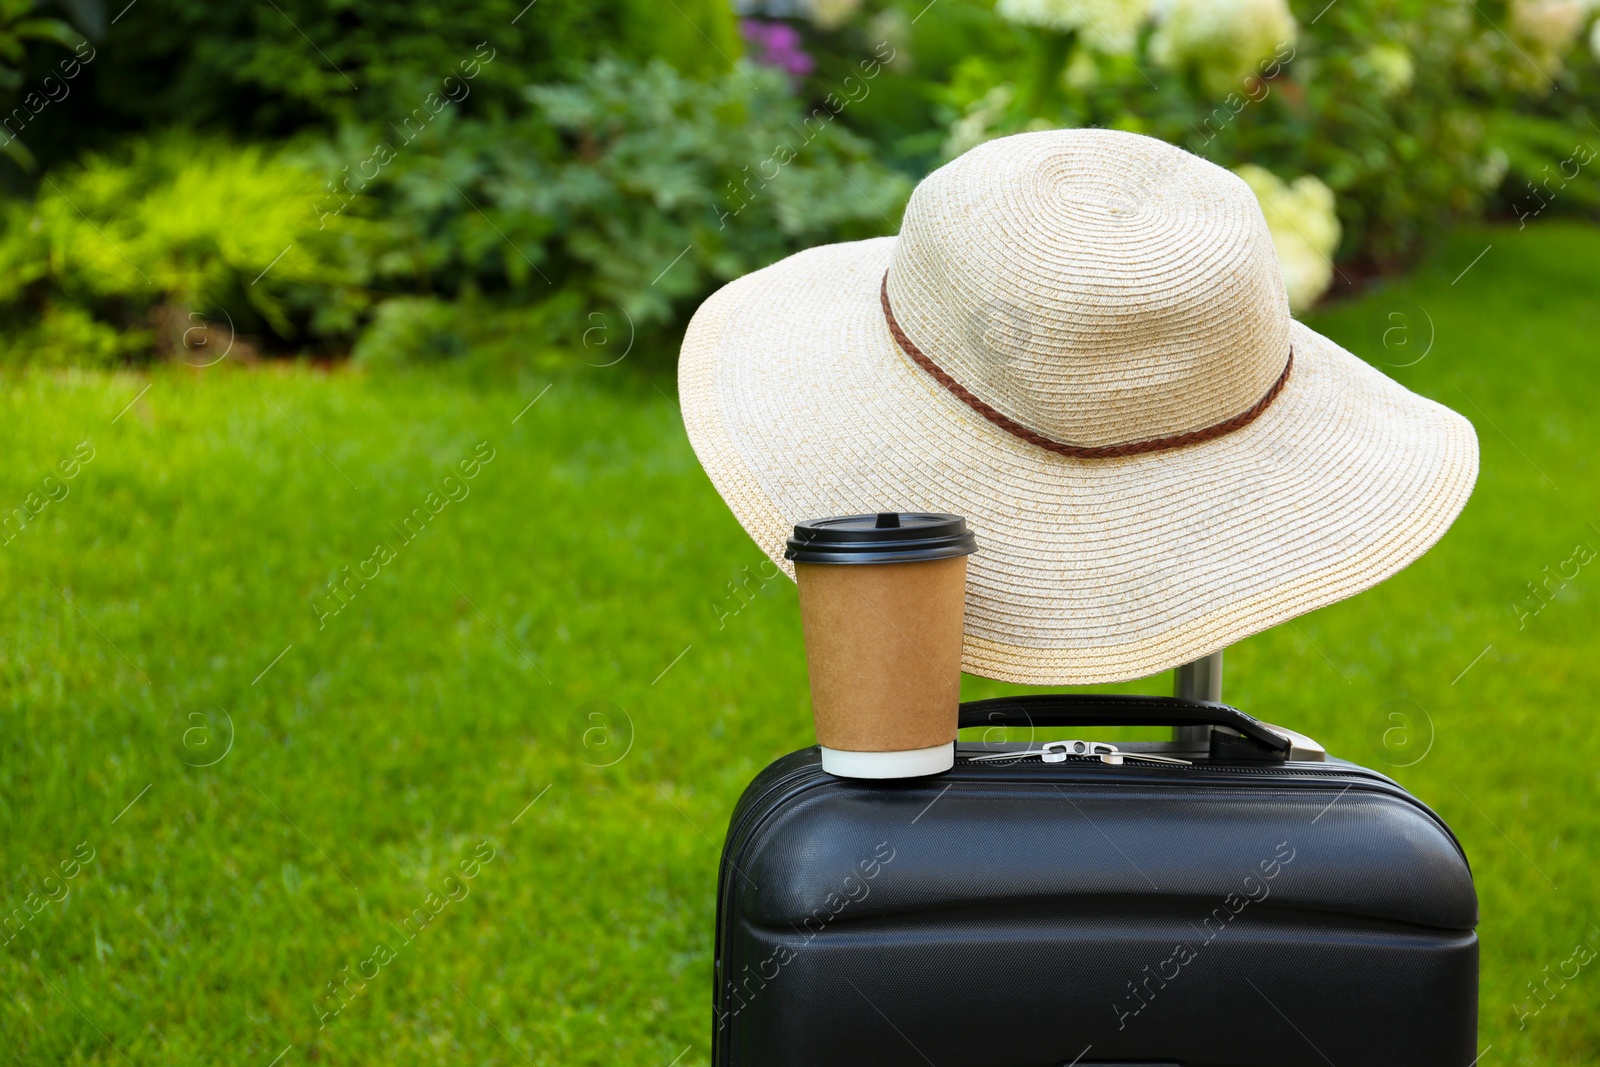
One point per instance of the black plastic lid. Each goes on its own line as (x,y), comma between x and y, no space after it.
(887,537)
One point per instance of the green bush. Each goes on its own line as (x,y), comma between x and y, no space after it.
(65,334)
(412,330)
(173,236)
(23,28)
(491,339)
(274,68)
(902,112)
(634,192)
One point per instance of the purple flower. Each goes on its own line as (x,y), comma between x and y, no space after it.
(776,44)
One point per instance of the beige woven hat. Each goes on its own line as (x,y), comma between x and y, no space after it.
(1080,342)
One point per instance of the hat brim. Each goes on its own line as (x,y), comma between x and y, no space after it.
(800,405)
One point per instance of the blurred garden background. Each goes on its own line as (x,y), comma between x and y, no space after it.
(356,567)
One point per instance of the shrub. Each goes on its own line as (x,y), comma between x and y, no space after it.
(1221,41)
(274,68)
(22,28)
(491,337)
(411,330)
(635,190)
(169,234)
(900,112)
(64,334)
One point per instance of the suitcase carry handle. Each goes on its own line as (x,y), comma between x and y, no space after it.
(1094,709)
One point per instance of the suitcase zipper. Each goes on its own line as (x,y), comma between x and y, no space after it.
(1058,751)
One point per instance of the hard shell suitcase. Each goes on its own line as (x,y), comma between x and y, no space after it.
(1043,905)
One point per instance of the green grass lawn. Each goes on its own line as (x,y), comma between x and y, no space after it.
(556,674)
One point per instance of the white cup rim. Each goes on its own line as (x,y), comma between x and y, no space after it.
(909,763)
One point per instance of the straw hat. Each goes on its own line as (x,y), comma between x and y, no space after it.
(1080,342)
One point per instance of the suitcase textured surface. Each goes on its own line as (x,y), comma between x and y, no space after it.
(1242,911)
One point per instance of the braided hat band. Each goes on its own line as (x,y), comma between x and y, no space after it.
(1016,429)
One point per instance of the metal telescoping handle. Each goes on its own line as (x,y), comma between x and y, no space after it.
(1200,680)
(1092,709)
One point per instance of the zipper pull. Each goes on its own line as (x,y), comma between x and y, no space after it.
(1058,751)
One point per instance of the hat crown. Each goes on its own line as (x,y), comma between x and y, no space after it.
(1100,288)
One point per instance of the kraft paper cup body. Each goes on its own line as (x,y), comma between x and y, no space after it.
(883,649)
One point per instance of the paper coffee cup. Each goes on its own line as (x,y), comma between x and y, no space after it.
(882,606)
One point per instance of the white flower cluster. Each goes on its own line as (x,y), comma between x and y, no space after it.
(979,123)
(892,26)
(1389,66)
(831,14)
(1108,25)
(1224,39)
(1305,230)
(1550,26)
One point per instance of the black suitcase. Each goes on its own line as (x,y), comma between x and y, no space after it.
(1246,909)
